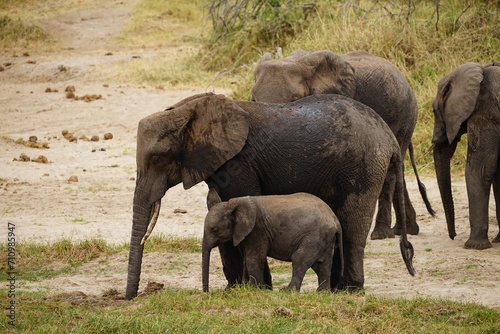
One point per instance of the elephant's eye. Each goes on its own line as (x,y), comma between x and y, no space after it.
(155,160)
(215,230)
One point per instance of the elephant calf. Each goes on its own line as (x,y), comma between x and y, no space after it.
(300,228)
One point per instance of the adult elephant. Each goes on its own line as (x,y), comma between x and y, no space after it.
(467,101)
(364,77)
(247,148)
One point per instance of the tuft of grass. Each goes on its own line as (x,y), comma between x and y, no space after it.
(80,220)
(36,261)
(172,244)
(13,32)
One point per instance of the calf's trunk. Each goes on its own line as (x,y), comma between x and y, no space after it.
(205,258)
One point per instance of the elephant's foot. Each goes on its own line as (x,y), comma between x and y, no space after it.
(351,287)
(496,240)
(381,232)
(478,244)
(412,229)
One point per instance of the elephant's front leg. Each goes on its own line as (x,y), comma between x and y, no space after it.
(232,264)
(479,175)
(255,266)
(496,192)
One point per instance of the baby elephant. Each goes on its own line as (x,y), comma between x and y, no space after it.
(299,228)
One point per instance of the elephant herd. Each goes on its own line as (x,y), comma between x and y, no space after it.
(334,128)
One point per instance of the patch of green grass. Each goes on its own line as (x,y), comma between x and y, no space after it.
(172,244)
(471,266)
(101,187)
(35,261)
(247,309)
(80,220)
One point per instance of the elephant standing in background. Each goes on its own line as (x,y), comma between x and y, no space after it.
(467,101)
(330,146)
(299,228)
(373,81)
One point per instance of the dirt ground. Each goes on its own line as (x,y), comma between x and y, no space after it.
(85,188)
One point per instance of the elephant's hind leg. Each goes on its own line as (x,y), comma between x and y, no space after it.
(323,268)
(382,227)
(411,217)
(496,192)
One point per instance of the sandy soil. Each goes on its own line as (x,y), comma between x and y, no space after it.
(45,205)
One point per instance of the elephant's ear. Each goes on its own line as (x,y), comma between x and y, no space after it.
(216,131)
(189,99)
(457,96)
(212,198)
(330,73)
(245,215)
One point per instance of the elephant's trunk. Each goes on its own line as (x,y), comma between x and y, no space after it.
(205,266)
(442,157)
(142,217)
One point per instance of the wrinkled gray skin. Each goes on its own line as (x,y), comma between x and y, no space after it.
(330,146)
(467,101)
(299,228)
(369,79)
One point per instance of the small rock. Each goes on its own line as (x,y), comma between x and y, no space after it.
(73,178)
(70,95)
(94,138)
(33,139)
(23,157)
(180,211)
(108,136)
(41,159)
(46,174)
(70,89)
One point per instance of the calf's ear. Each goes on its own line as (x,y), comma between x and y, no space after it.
(245,215)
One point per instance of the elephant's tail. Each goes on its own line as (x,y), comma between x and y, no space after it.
(421,186)
(339,245)
(405,246)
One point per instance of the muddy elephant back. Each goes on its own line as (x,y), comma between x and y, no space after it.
(383,87)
